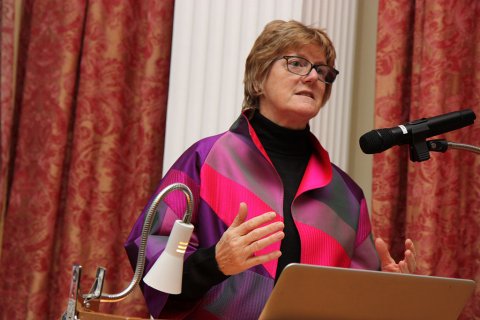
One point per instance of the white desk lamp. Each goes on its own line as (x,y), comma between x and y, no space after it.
(166,273)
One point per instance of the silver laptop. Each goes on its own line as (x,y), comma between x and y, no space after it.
(313,292)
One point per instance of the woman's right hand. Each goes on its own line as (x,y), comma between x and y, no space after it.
(235,252)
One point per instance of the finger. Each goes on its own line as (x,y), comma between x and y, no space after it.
(256,260)
(403,267)
(410,246)
(411,261)
(256,222)
(263,231)
(265,242)
(241,215)
(382,250)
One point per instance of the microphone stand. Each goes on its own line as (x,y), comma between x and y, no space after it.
(442,145)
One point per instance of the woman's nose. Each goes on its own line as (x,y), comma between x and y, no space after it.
(311,76)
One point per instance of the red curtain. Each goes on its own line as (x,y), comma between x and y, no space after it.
(7,36)
(83,116)
(428,63)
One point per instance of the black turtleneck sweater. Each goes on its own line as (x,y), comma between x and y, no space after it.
(289,151)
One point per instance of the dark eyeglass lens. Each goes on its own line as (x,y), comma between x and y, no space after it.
(326,74)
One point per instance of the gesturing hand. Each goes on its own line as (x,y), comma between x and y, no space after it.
(235,250)
(407,265)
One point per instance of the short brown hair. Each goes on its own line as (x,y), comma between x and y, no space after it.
(277,37)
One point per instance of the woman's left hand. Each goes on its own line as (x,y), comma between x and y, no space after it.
(407,265)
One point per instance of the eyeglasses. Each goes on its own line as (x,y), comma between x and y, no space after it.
(303,67)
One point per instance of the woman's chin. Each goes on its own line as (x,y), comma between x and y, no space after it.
(307,110)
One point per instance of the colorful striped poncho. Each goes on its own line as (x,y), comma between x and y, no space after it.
(329,211)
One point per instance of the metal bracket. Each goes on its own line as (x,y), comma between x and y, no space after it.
(97,287)
(71,313)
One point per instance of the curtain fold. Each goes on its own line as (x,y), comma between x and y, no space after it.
(7,93)
(428,63)
(89,118)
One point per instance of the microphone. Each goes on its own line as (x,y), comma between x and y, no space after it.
(415,132)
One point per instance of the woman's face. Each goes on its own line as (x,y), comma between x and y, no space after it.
(288,99)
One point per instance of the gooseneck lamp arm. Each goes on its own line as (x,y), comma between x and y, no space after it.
(147,226)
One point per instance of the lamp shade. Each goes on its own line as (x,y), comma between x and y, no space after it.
(166,273)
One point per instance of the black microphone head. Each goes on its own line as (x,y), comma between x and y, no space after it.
(376,141)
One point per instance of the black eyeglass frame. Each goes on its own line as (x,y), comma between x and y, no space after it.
(332,70)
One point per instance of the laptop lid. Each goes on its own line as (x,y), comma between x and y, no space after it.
(314,292)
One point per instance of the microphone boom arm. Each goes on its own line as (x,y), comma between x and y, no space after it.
(442,145)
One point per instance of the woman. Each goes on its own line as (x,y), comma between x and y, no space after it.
(265,191)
